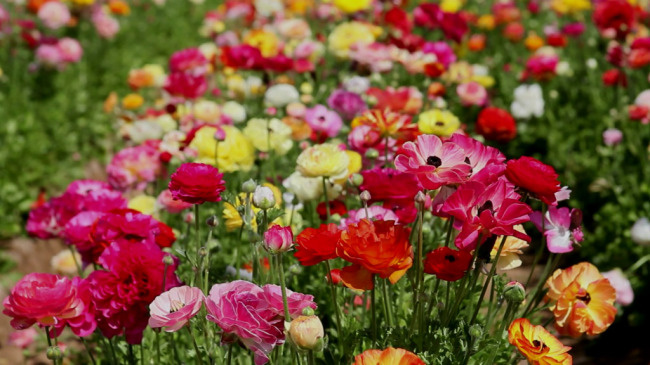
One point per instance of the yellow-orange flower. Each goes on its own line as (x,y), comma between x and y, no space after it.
(388,124)
(389,356)
(582,300)
(119,7)
(132,101)
(263,40)
(512,248)
(533,42)
(537,344)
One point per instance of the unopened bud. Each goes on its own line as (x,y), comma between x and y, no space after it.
(248,186)
(263,197)
(212,221)
(420,198)
(168,260)
(203,251)
(54,353)
(475,331)
(514,292)
(308,311)
(307,333)
(372,153)
(278,239)
(365,196)
(356,179)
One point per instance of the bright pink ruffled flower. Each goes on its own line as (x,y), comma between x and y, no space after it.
(541,67)
(278,239)
(347,104)
(375,212)
(134,167)
(323,120)
(364,137)
(189,60)
(561,228)
(434,163)
(197,183)
(442,50)
(242,56)
(49,300)
(132,278)
(483,211)
(487,162)
(393,188)
(167,201)
(186,85)
(472,93)
(70,49)
(174,308)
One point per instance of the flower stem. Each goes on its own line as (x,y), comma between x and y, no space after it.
(283,287)
(76,262)
(387,310)
(637,265)
(196,347)
(90,354)
(157,346)
(310,357)
(55,360)
(326,198)
(373,314)
(488,280)
(337,309)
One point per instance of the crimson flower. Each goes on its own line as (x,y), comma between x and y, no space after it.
(535,177)
(197,183)
(496,124)
(314,245)
(447,264)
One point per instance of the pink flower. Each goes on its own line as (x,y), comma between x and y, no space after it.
(174,308)
(624,292)
(49,55)
(487,162)
(22,338)
(612,136)
(483,211)
(347,104)
(106,25)
(134,167)
(132,278)
(278,239)
(561,228)
(394,189)
(174,206)
(472,93)
(363,137)
(54,14)
(244,315)
(323,120)
(433,162)
(197,183)
(70,49)
(186,85)
(541,67)
(189,60)
(377,56)
(442,50)
(375,212)
(49,300)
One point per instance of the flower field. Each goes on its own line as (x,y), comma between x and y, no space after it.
(325,182)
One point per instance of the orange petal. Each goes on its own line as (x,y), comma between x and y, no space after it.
(357,277)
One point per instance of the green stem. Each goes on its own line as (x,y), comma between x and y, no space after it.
(550,263)
(196,347)
(229,356)
(283,287)
(157,346)
(197,233)
(131,354)
(640,262)
(449,230)
(310,357)
(73,252)
(326,198)
(488,280)
(90,354)
(55,361)
(388,312)
(337,309)
(373,313)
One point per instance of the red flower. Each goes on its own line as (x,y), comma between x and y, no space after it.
(398,18)
(244,56)
(614,77)
(197,183)
(556,40)
(186,85)
(447,264)
(314,245)
(637,112)
(336,207)
(496,124)
(615,16)
(535,177)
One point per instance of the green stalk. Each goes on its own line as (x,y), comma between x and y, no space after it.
(373,325)
(76,262)
(337,309)
(196,347)
(493,270)
(387,310)
(283,287)
(550,263)
(326,199)
(90,354)
(157,347)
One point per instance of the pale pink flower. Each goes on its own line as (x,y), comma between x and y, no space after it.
(134,167)
(54,14)
(376,56)
(472,93)
(167,202)
(22,338)
(70,49)
(174,308)
(106,25)
(49,55)
(323,120)
(624,292)
(561,228)
(612,136)
(373,212)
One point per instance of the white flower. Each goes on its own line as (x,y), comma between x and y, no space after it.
(357,84)
(280,95)
(640,232)
(309,188)
(528,102)
(592,63)
(235,111)
(263,197)
(563,68)
(142,130)
(266,8)
(243,274)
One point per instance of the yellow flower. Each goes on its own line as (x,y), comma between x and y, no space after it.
(132,101)
(144,204)
(63,263)
(486,21)
(533,42)
(233,220)
(235,153)
(323,160)
(82,2)
(570,6)
(458,72)
(354,166)
(512,248)
(439,122)
(486,81)
(207,111)
(347,34)
(451,6)
(257,132)
(352,6)
(263,40)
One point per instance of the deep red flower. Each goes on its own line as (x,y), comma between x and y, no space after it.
(336,207)
(398,19)
(496,124)
(447,264)
(535,177)
(614,77)
(186,85)
(243,56)
(616,16)
(556,40)
(197,183)
(637,112)
(315,245)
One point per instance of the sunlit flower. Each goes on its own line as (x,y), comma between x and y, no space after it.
(512,248)
(174,308)
(442,123)
(235,152)
(537,344)
(323,160)
(389,356)
(345,35)
(257,131)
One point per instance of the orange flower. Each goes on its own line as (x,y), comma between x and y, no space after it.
(390,356)
(119,7)
(139,78)
(374,247)
(583,300)
(388,124)
(537,344)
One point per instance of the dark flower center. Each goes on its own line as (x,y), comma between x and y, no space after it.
(440,124)
(434,161)
(540,344)
(585,298)
(486,206)
(467,161)
(450,258)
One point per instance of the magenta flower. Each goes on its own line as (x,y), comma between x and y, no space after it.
(323,121)
(434,163)
(278,239)
(347,104)
(189,60)
(444,53)
(487,163)
(174,308)
(49,300)
(561,228)
(375,212)
(483,211)
(394,189)
(197,183)
(134,167)
(186,85)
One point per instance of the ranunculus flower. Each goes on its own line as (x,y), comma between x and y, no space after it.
(323,160)
(278,239)
(315,245)
(346,103)
(134,167)
(166,200)
(534,177)
(528,102)
(22,338)
(54,14)
(281,95)
(174,308)
(307,332)
(189,60)
(296,302)
(51,301)
(389,356)
(373,212)
(472,93)
(561,228)
(496,124)
(447,264)
(537,344)
(323,120)
(186,85)
(612,136)
(614,16)
(197,183)
(374,247)
(640,232)
(624,292)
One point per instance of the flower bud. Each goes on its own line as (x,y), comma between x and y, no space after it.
(263,197)
(365,196)
(168,260)
(372,153)
(475,331)
(307,333)
(420,198)
(212,221)
(248,186)
(203,252)
(308,311)
(54,353)
(356,179)
(514,292)
(278,239)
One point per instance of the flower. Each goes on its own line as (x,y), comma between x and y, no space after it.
(234,153)
(640,231)
(186,85)
(174,308)
(143,203)
(22,338)
(624,292)
(323,120)
(65,262)
(189,60)
(132,278)
(374,247)
(496,124)
(434,163)
(257,131)
(134,167)
(307,332)
(197,183)
(278,239)
(296,302)
(472,93)
(614,17)
(512,248)
(281,95)
(402,99)
(352,6)
(315,245)
(54,14)
(534,177)
(310,188)
(561,228)
(388,124)
(528,102)
(537,344)
(323,160)
(348,104)
(263,197)
(447,264)
(372,212)
(49,300)
(69,49)
(582,300)
(442,123)
(612,136)
(345,35)
(166,200)
(389,356)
